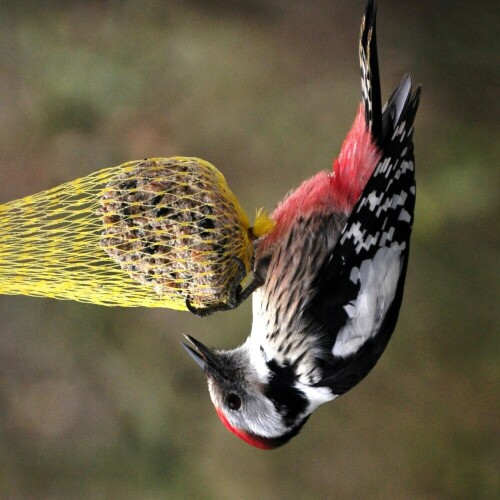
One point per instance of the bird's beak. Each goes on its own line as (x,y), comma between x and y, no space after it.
(203,356)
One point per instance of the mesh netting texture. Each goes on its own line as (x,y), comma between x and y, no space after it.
(146,233)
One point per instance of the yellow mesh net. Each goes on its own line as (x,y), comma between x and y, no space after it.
(146,233)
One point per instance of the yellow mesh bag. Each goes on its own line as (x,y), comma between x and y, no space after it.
(146,233)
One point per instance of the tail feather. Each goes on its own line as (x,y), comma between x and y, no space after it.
(395,106)
(370,80)
(397,119)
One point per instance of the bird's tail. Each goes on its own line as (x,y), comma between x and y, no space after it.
(377,134)
(361,150)
(401,107)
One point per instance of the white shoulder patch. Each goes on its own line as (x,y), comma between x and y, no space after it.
(315,395)
(378,279)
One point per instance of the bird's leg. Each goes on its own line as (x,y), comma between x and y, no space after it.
(236,294)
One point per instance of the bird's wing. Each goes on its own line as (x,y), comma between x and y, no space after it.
(359,287)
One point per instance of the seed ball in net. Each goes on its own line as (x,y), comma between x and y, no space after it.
(174,225)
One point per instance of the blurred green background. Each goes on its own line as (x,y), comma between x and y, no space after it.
(103,403)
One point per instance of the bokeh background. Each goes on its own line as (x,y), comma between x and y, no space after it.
(102,402)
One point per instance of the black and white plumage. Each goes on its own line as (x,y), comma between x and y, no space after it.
(333,272)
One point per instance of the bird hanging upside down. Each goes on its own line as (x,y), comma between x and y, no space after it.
(332,273)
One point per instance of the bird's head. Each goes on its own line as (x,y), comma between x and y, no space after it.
(244,396)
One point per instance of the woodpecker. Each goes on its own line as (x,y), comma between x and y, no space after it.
(332,274)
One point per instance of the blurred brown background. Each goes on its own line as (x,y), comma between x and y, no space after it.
(103,403)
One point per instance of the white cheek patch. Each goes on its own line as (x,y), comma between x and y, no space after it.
(378,279)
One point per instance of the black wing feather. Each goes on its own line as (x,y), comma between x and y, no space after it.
(383,216)
(335,289)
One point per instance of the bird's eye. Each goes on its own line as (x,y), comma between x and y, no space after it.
(233,401)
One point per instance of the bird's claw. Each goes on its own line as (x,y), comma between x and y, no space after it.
(236,294)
